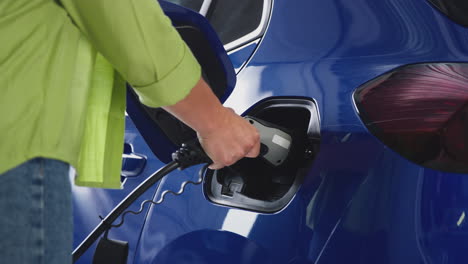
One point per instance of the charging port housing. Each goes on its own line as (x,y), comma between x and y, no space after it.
(255,184)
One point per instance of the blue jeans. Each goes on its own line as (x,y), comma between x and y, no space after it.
(36,213)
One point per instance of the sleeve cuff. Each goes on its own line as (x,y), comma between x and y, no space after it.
(175,86)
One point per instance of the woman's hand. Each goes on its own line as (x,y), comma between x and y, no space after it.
(225,136)
(231,139)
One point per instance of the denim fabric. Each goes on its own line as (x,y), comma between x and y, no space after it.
(36,213)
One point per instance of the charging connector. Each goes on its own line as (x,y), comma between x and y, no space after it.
(190,154)
(275,149)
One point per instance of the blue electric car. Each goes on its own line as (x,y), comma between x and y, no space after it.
(375,97)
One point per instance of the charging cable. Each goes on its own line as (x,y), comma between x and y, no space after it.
(275,147)
(188,155)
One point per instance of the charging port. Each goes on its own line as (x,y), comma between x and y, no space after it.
(255,184)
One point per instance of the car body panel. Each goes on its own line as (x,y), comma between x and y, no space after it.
(360,202)
(240,56)
(90,203)
(403,214)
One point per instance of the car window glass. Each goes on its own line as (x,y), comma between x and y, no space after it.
(457,10)
(235,19)
(231,19)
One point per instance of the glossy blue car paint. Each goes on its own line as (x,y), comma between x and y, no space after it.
(360,202)
(90,203)
(240,56)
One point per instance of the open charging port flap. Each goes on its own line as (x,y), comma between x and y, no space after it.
(256,185)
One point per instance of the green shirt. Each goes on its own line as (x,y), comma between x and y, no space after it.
(61,76)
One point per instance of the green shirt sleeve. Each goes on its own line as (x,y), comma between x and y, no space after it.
(137,38)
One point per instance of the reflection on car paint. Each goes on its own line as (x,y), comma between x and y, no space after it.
(360,202)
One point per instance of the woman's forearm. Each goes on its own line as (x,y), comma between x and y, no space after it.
(225,136)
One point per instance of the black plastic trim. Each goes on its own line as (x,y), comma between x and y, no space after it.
(456,10)
(214,190)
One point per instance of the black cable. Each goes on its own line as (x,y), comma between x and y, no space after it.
(188,155)
(106,223)
(163,197)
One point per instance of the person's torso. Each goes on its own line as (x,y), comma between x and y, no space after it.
(46,71)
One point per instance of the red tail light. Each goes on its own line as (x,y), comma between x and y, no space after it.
(421,112)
